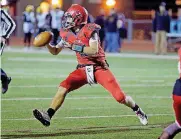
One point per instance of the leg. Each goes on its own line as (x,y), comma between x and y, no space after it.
(74,81)
(163,42)
(29,39)
(115,42)
(54,31)
(177,109)
(177,101)
(101,34)
(175,128)
(108,42)
(25,39)
(108,81)
(157,43)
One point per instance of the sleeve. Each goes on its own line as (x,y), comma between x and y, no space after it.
(94,38)
(10,24)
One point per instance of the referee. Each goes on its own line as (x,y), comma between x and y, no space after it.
(7,26)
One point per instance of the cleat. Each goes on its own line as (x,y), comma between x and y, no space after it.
(5,85)
(43,117)
(142,116)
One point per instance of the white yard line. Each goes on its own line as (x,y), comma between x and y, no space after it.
(86,127)
(87,117)
(122,55)
(22,59)
(83,98)
(96,85)
(85,108)
(20,74)
(71,98)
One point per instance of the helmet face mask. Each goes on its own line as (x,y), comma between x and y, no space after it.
(75,16)
(67,21)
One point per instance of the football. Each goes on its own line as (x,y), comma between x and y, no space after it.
(42,39)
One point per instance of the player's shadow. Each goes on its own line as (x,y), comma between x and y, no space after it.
(87,131)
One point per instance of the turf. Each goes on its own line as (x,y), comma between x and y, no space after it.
(89,112)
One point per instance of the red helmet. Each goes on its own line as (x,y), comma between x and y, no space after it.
(76,15)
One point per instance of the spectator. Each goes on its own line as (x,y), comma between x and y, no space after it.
(41,20)
(112,44)
(100,21)
(57,15)
(90,18)
(161,25)
(153,36)
(121,29)
(179,14)
(48,20)
(28,25)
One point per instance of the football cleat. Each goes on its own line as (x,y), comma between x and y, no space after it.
(142,116)
(5,85)
(43,117)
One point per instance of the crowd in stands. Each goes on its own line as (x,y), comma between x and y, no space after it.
(112,26)
(113,29)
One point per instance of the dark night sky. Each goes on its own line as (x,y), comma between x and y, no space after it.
(153,4)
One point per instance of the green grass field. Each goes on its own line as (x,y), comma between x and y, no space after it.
(90,112)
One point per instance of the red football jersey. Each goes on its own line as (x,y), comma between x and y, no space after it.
(84,36)
(179,66)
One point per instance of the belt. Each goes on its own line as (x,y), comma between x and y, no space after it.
(94,65)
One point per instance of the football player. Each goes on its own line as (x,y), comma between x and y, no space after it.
(28,25)
(92,66)
(175,128)
(7,26)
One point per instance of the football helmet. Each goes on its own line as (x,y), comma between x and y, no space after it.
(76,15)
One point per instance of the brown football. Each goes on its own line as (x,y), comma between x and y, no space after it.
(42,39)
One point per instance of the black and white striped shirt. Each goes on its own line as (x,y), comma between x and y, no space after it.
(7,25)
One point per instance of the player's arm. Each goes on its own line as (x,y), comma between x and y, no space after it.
(53,49)
(91,49)
(93,45)
(10,24)
(56,49)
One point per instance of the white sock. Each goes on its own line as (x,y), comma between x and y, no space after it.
(130,102)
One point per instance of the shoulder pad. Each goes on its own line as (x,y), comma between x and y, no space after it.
(88,29)
(67,36)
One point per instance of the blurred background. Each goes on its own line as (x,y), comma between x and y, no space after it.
(138,30)
(134,26)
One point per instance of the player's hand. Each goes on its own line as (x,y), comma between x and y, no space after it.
(63,44)
(2,41)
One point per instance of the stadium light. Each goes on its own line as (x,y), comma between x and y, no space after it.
(44,7)
(178,2)
(55,2)
(110,3)
(4,2)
